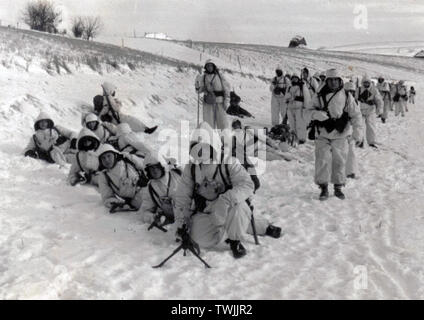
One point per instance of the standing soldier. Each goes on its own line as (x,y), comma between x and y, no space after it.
(298,98)
(317,79)
(334,112)
(370,104)
(278,104)
(400,98)
(384,89)
(351,162)
(310,82)
(216,96)
(412,95)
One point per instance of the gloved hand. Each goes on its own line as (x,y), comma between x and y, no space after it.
(80,177)
(31,154)
(319,116)
(114,201)
(359,143)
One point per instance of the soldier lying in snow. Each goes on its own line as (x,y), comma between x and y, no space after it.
(85,165)
(158,197)
(51,143)
(245,140)
(121,179)
(105,131)
(109,110)
(234,109)
(127,141)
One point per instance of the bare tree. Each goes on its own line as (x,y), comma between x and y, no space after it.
(42,15)
(92,27)
(77,27)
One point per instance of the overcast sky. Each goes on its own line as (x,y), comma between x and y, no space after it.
(322,22)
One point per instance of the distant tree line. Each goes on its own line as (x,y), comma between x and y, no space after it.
(43,15)
(86,27)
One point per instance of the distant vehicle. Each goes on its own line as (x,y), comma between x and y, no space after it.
(297,41)
(419,54)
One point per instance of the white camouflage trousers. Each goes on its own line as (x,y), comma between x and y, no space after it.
(278,108)
(208,233)
(215,115)
(297,122)
(351,163)
(330,160)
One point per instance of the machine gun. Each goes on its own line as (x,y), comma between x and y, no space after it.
(187,243)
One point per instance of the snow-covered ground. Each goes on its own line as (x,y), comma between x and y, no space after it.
(59,242)
(163,48)
(401,48)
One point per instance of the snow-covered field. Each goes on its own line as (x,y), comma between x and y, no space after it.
(401,48)
(59,242)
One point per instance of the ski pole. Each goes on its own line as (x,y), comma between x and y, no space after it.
(198,107)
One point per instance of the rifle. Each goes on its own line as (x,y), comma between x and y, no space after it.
(252,221)
(187,243)
(113,111)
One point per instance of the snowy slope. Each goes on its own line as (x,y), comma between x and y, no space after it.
(58,241)
(163,48)
(401,48)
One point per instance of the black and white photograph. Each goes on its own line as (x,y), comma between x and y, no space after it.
(211,150)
